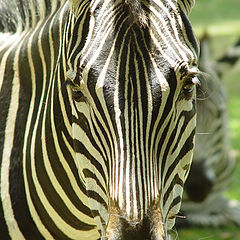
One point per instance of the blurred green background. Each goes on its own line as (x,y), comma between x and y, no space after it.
(221,19)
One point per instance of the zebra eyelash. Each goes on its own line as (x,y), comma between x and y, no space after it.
(191,81)
(188,89)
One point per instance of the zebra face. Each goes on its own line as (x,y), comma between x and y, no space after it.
(133,113)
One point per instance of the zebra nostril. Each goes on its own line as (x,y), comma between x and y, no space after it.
(120,228)
(126,231)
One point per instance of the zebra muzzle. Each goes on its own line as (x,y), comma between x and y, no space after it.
(121,227)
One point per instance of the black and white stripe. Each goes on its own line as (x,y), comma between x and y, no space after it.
(98,117)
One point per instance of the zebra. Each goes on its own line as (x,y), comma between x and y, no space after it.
(230,58)
(204,202)
(98,117)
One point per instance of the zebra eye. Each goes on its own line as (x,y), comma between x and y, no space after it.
(77,96)
(188,89)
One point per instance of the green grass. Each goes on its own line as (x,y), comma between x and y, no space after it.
(232,81)
(227,233)
(221,19)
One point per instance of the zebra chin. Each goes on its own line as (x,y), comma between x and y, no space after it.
(150,227)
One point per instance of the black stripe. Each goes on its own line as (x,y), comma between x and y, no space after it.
(175,202)
(60,174)
(171,78)
(74,36)
(103,133)
(5,97)
(188,146)
(176,181)
(89,174)
(83,123)
(17,188)
(162,162)
(189,31)
(187,118)
(42,213)
(80,148)
(94,195)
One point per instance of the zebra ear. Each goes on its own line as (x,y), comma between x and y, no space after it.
(186,5)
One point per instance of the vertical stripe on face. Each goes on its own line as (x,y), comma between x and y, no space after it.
(132,83)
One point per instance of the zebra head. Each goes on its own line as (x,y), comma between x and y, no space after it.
(132,71)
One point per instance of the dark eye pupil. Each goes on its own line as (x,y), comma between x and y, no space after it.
(77,96)
(188,89)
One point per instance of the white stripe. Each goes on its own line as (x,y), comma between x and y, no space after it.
(47,164)
(118,186)
(102,33)
(42,229)
(12,225)
(83,138)
(127,160)
(59,222)
(183,49)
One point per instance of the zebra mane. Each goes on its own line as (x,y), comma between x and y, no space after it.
(138,14)
(8,16)
(18,15)
(21,14)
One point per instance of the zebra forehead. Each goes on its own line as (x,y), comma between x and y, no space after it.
(135,6)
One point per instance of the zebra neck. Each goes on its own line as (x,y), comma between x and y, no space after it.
(25,15)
